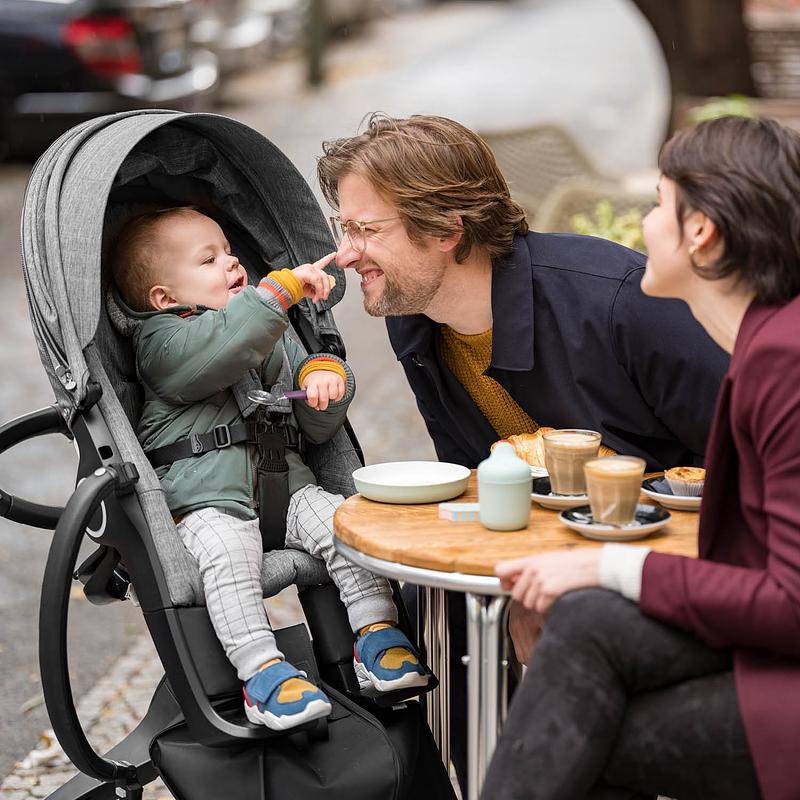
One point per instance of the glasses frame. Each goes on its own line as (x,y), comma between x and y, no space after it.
(339,228)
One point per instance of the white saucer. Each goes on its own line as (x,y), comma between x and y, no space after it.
(557,502)
(411,481)
(648,519)
(539,472)
(659,490)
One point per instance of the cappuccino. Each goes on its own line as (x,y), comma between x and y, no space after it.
(565,453)
(614,484)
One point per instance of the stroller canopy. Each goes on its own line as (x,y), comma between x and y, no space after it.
(100,173)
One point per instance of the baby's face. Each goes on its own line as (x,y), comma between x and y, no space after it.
(197,265)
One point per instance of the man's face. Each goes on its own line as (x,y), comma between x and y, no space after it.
(398,276)
(198,267)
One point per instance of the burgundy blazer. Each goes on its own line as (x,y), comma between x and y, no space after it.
(743,592)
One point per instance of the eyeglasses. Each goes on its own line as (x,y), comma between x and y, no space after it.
(355,230)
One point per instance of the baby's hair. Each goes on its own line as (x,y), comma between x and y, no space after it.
(134,256)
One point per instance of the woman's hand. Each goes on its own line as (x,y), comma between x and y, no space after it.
(317,284)
(538,581)
(525,628)
(322,387)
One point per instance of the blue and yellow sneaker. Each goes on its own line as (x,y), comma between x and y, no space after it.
(384,658)
(280,697)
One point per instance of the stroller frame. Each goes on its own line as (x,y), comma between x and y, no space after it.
(115,503)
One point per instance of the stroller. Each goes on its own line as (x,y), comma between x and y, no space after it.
(194,735)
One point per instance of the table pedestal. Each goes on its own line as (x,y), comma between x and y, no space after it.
(487,673)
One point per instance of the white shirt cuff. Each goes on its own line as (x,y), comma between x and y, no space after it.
(621,568)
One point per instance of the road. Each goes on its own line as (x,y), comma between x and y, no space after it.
(591,65)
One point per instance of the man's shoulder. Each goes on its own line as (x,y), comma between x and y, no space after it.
(571,253)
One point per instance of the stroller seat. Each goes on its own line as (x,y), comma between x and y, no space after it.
(81,191)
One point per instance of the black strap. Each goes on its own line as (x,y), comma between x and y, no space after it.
(198,443)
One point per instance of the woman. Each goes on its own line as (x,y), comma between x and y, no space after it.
(681,676)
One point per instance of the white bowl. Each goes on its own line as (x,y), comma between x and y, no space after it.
(411,481)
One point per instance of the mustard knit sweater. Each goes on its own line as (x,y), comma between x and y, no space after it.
(468,356)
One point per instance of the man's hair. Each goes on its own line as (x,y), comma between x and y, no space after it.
(744,174)
(433,170)
(135,264)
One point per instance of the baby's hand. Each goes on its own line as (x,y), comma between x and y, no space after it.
(323,386)
(317,284)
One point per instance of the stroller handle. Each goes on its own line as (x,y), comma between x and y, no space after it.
(37,423)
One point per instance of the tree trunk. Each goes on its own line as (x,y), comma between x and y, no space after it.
(704,43)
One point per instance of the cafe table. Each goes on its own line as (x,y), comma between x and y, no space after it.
(411,543)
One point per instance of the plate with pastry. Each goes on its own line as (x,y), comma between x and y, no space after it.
(659,489)
(543,495)
(530,447)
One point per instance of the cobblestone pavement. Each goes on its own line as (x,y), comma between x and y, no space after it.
(111,709)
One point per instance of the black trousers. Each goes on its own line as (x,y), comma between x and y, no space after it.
(618,706)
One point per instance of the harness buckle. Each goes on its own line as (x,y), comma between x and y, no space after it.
(222,436)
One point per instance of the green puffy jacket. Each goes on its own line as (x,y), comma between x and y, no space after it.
(189,362)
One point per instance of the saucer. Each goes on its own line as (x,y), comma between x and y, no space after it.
(659,490)
(539,472)
(648,519)
(544,497)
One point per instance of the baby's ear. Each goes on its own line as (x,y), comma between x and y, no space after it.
(160,298)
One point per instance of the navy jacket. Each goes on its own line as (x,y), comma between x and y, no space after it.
(576,344)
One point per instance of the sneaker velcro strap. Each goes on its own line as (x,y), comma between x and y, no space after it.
(371,645)
(261,686)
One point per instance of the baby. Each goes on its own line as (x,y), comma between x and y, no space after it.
(204,331)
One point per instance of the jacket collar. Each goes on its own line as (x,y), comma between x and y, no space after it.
(512,315)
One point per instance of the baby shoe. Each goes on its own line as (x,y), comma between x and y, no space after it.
(387,660)
(280,697)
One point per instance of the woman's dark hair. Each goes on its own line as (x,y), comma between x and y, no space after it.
(744,174)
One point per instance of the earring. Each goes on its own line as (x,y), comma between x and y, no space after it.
(692,250)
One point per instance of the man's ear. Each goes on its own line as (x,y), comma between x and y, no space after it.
(160,298)
(449,243)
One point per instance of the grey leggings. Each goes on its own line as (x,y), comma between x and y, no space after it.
(618,706)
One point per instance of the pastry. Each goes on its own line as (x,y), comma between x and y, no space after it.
(686,481)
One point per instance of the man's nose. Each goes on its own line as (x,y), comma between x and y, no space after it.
(347,255)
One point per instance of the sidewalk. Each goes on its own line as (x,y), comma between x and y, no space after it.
(111,710)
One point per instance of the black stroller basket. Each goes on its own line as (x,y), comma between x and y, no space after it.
(195,734)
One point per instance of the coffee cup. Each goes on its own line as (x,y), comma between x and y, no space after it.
(614,484)
(565,453)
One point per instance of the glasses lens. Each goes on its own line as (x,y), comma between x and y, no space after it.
(356,235)
(336,227)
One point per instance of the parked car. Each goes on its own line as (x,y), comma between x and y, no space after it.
(236,31)
(63,61)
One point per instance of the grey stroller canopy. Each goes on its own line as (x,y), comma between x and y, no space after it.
(83,189)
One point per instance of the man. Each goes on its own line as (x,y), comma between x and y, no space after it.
(501,330)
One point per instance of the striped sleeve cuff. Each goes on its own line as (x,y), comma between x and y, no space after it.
(272,291)
(318,361)
(288,281)
(621,568)
(318,365)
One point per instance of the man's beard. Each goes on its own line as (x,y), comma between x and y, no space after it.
(396,300)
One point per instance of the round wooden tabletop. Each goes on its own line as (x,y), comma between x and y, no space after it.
(415,536)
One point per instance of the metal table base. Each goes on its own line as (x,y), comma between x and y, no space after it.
(486,659)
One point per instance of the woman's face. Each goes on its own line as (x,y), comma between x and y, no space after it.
(669,270)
